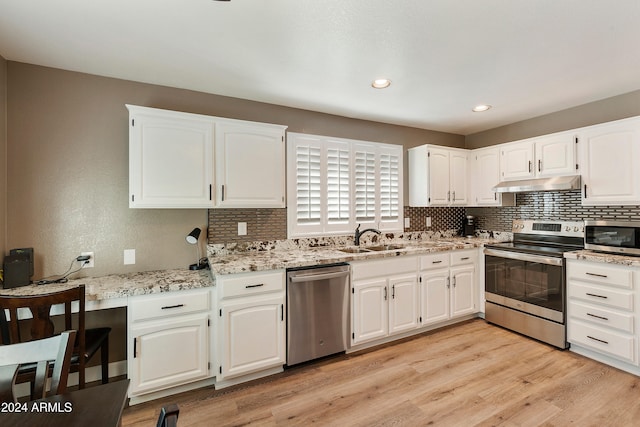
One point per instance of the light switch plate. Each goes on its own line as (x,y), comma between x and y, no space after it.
(129,256)
(242,229)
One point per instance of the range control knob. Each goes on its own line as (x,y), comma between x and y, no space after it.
(576,228)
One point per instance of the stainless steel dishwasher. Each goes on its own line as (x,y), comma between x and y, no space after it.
(317,312)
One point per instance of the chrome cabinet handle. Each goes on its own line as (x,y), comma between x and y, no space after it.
(530,165)
(436,262)
(585,191)
(448,282)
(464,258)
(385,293)
(393,292)
(448,196)
(539,165)
(454,196)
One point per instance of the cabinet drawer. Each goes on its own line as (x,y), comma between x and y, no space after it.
(601,295)
(169,304)
(246,284)
(601,316)
(383,267)
(603,274)
(437,260)
(463,257)
(616,344)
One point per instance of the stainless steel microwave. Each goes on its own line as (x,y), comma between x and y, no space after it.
(612,236)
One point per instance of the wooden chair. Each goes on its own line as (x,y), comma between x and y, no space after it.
(41,352)
(87,342)
(168,416)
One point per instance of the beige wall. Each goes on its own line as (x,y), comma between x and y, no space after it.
(614,108)
(3,155)
(68,166)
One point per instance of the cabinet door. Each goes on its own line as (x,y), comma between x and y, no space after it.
(250,165)
(439,191)
(370,310)
(611,163)
(486,175)
(168,353)
(435,287)
(458,166)
(463,286)
(555,155)
(403,303)
(516,161)
(170,159)
(253,336)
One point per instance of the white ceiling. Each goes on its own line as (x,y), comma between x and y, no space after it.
(524,57)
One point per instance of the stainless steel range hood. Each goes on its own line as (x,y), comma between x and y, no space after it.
(556,183)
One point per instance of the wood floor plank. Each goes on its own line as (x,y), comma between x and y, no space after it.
(469,374)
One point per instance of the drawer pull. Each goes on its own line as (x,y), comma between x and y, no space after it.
(596,339)
(597,296)
(167,307)
(254,286)
(464,258)
(604,276)
(436,262)
(597,317)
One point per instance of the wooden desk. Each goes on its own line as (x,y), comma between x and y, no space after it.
(99,406)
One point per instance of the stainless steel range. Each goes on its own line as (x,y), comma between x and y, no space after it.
(525,286)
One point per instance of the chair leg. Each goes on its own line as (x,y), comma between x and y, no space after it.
(104,360)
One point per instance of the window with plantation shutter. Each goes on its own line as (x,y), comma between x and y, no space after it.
(308,194)
(334,184)
(365,186)
(338,184)
(389,186)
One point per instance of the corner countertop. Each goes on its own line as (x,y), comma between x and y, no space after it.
(586,255)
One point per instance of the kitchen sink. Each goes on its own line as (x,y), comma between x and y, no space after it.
(385,247)
(355,250)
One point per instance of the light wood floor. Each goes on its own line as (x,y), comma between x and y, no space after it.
(465,375)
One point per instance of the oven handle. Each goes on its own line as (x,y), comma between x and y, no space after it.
(524,257)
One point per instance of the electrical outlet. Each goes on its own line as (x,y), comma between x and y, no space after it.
(90,263)
(407,222)
(428,222)
(129,256)
(242,229)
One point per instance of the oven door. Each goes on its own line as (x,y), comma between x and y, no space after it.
(534,284)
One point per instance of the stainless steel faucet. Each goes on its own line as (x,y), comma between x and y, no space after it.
(356,240)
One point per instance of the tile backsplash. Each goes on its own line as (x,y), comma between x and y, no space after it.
(550,205)
(271,224)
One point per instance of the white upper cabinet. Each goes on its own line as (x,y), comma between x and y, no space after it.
(437,176)
(170,159)
(516,160)
(250,165)
(485,175)
(549,155)
(556,155)
(610,161)
(176,159)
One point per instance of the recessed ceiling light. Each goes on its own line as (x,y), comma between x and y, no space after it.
(381,83)
(480,108)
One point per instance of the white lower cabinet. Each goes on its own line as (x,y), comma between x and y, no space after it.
(448,284)
(384,298)
(601,310)
(251,323)
(168,338)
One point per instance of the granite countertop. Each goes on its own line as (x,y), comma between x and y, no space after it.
(242,262)
(586,255)
(124,285)
(151,282)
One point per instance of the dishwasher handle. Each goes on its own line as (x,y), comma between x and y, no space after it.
(311,277)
